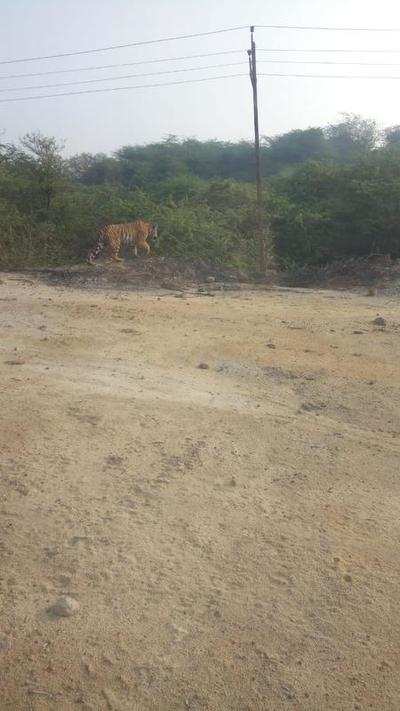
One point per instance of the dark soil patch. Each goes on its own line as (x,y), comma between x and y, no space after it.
(154,272)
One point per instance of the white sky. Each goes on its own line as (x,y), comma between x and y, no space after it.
(221,109)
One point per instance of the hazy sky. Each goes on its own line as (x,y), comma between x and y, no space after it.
(220,109)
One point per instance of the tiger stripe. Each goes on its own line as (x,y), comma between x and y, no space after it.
(113,237)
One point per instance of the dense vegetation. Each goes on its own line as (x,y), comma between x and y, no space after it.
(329,193)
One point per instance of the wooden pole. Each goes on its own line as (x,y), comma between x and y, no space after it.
(259,208)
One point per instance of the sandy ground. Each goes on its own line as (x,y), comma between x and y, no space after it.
(231,533)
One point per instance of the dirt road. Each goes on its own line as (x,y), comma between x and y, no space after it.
(231,533)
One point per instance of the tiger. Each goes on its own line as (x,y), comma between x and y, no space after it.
(113,237)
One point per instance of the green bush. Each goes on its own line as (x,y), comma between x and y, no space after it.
(343,203)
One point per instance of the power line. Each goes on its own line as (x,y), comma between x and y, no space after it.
(305,61)
(123,64)
(332,76)
(192,36)
(121,88)
(330,29)
(193,81)
(117,78)
(345,51)
(193,56)
(122,46)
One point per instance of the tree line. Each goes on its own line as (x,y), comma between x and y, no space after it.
(330,192)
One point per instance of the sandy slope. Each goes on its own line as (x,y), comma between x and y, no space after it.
(232,533)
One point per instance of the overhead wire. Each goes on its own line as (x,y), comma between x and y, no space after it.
(120,88)
(119,64)
(331,76)
(122,46)
(342,51)
(328,62)
(170,59)
(329,29)
(172,71)
(161,60)
(117,78)
(203,79)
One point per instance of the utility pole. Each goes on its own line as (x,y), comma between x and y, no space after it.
(259,210)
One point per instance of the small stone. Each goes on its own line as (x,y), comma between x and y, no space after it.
(65,606)
(312,407)
(348,578)
(203,366)
(114,460)
(5,644)
(271,345)
(379,321)
(232,481)
(210,279)
(89,670)
(107,660)
(15,361)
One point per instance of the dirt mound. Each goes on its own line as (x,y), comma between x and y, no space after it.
(375,271)
(158,272)
(378,274)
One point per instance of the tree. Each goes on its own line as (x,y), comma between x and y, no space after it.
(43,154)
(392,136)
(295,147)
(98,169)
(352,138)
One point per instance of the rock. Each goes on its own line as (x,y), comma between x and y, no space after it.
(210,279)
(271,345)
(5,644)
(15,361)
(203,366)
(114,460)
(65,606)
(204,292)
(312,407)
(379,321)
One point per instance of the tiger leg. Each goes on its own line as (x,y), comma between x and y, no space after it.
(96,251)
(113,249)
(146,248)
